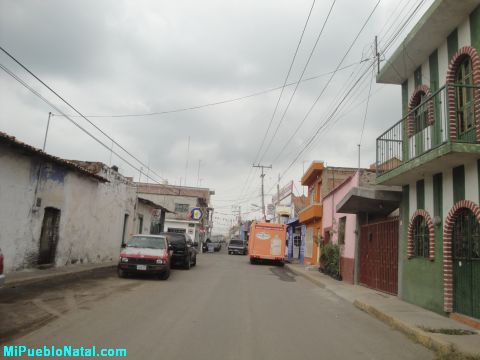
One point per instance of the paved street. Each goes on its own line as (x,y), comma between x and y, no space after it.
(224,308)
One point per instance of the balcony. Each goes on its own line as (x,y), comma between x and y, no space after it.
(435,135)
(311,213)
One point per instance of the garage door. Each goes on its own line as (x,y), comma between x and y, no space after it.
(379,256)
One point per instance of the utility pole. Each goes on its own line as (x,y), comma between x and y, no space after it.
(198,172)
(278,198)
(186,165)
(46,131)
(263,192)
(358,155)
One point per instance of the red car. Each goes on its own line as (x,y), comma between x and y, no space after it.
(147,254)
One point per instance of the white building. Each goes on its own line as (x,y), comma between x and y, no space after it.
(190,208)
(56,213)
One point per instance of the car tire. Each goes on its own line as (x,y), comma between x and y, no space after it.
(122,273)
(253,261)
(164,275)
(188,263)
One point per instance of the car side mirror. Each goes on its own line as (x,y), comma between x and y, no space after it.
(124,245)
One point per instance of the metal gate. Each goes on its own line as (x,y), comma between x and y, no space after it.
(466,264)
(379,255)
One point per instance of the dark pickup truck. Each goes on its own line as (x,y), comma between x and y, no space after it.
(237,246)
(184,252)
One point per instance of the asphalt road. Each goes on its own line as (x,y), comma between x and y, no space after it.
(224,308)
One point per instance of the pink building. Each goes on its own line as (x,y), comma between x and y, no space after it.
(340,228)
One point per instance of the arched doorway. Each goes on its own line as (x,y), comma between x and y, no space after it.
(462,259)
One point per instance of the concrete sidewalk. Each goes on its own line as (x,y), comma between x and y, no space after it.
(30,276)
(408,318)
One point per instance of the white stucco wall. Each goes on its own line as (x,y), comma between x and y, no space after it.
(91,218)
(145,211)
(464,39)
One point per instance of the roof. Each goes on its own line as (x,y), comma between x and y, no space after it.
(153,204)
(173,190)
(370,200)
(314,171)
(428,34)
(29,150)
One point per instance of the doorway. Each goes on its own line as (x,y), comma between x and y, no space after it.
(49,236)
(466,263)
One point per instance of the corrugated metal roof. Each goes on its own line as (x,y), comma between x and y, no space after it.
(26,149)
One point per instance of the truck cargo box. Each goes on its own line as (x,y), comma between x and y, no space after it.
(267,242)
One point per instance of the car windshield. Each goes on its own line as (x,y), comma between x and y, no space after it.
(149,242)
(236,242)
(174,238)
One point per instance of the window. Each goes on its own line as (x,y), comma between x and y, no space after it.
(341,230)
(420,237)
(420,115)
(465,96)
(181,208)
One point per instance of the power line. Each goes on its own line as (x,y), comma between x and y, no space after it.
(75,110)
(280,95)
(18,79)
(221,102)
(330,79)
(298,82)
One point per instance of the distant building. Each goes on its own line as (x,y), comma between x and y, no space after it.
(320,180)
(189,207)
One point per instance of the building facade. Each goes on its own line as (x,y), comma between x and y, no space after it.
(189,208)
(58,213)
(433,152)
(320,180)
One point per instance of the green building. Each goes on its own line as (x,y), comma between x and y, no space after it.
(433,152)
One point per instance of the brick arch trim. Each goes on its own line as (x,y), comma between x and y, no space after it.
(414,102)
(447,250)
(466,51)
(431,234)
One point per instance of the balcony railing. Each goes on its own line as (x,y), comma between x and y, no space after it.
(426,127)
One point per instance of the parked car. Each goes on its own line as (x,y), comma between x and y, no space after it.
(184,252)
(237,246)
(145,254)
(217,246)
(2,275)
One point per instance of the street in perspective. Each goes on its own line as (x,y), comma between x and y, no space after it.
(226,180)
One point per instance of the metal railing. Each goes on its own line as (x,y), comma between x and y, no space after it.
(425,127)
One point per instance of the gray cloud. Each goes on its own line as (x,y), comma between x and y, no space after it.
(111,57)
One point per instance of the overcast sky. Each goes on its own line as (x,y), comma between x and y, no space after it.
(135,57)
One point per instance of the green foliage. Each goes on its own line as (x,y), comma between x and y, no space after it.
(329,259)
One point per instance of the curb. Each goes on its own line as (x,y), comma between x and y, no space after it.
(422,337)
(53,276)
(307,276)
(415,334)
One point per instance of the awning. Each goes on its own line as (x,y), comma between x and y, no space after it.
(370,200)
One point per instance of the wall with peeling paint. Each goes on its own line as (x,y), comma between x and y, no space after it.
(92,213)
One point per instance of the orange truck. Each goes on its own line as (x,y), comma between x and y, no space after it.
(267,242)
